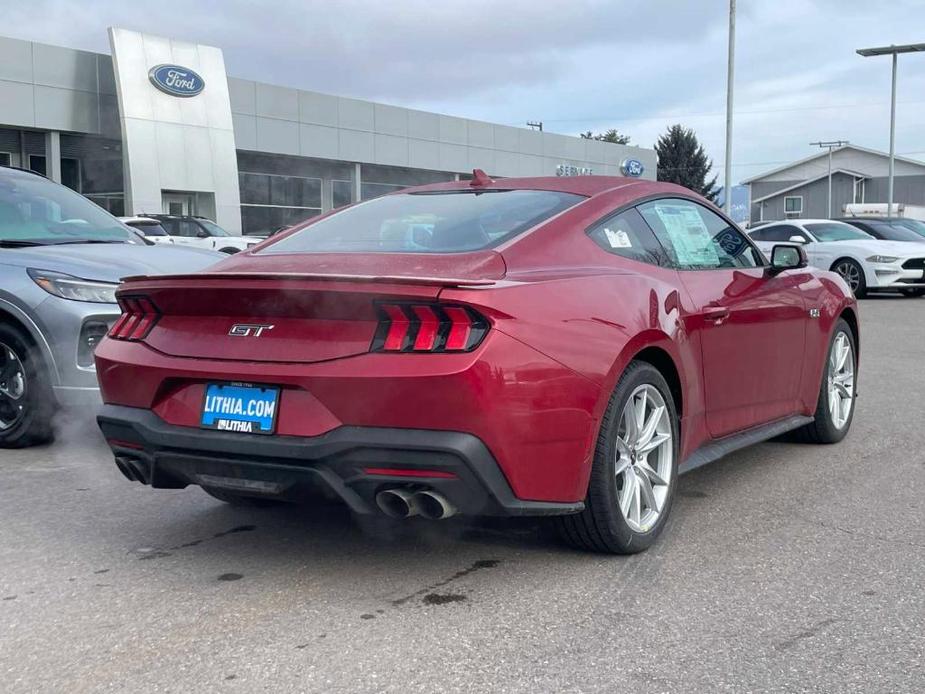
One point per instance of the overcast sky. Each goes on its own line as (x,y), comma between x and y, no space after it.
(636,65)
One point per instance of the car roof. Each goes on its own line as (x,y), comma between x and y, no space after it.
(138,220)
(577,185)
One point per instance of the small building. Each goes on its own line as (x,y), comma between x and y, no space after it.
(859,175)
(158,126)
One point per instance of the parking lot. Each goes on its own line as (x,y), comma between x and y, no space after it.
(784,568)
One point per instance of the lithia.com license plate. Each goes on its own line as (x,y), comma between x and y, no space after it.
(240,407)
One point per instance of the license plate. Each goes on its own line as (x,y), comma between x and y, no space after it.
(240,407)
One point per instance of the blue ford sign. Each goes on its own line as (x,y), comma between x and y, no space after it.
(632,167)
(176,80)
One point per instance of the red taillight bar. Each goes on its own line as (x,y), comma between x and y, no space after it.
(139,314)
(419,327)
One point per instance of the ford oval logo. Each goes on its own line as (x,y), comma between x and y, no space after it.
(632,167)
(176,80)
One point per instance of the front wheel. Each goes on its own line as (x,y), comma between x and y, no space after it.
(835,408)
(26,399)
(634,471)
(853,274)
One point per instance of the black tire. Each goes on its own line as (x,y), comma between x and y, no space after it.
(230,251)
(918,291)
(822,429)
(601,527)
(843,266)
(37,404)
(236,499)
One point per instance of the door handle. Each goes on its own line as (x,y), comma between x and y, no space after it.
(717,314)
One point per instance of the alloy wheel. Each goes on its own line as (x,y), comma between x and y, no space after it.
(12,388)
(841,380)
(643,458)
(851,274)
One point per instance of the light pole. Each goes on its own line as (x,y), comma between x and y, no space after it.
(892,51)
(730,69)
(832,144)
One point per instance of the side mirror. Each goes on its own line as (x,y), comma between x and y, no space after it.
(203,234)
(784,257)
(797,239)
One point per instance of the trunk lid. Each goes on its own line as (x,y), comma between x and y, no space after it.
(290,311)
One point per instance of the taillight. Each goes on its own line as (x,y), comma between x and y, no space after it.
(139,315)
(428,328)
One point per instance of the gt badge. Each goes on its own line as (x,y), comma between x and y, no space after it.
(249,329)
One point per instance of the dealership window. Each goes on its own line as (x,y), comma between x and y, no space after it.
(70,170)
(114,203)
(6,159)
(793,204)
(272,201)
(341,193)
(37,163)
(368,191)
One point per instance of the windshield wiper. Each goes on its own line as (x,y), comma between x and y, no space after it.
(75,241)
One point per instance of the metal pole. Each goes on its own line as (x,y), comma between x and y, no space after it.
(889,203)
(830,182)
(727,192)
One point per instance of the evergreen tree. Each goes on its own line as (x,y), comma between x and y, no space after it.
(681,160)
(610,136)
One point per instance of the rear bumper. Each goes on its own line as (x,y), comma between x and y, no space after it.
(153,452)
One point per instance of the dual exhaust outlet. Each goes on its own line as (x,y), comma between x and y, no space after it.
(404,503)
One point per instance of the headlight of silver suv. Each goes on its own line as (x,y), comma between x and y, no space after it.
(74,288)
(882,259)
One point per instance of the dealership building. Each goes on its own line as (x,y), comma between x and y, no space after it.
(158,126)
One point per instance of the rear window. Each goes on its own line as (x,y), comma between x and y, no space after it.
(443,222)
(149,228)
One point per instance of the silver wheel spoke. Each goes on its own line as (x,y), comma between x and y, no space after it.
(653,443)
(648,431)
(647,493)
(651,474)
(628,493)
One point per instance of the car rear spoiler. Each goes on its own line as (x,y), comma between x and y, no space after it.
(324,277)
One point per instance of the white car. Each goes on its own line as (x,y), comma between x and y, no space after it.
(151,229)
(866,264)
(200,232)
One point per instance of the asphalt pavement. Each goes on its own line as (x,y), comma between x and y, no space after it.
(783,568)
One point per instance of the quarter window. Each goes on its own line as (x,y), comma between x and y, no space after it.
(696,238)
(627,235)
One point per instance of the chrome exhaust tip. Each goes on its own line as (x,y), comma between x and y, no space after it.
(433,505)
(397,503)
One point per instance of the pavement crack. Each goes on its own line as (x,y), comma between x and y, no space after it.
(805,634)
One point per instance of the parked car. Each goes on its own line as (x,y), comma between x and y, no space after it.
(867,264)
(199,232)
(61,258)
(897,226)
(883,229)
(562,346)
(150,229)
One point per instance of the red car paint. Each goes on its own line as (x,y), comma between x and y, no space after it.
(566,319)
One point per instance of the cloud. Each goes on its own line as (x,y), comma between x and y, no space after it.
(635,65)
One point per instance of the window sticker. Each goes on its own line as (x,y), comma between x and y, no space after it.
(689,235)
(617,238)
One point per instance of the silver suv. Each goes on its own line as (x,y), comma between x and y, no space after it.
(61,259)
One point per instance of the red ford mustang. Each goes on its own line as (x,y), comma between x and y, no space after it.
(540,346)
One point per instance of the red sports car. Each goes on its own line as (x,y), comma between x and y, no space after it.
(539,346)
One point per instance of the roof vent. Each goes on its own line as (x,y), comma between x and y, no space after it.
(480,178)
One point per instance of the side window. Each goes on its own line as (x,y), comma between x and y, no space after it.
(696,238)
(627,235)
(171,226)
(189,229)
(782,233)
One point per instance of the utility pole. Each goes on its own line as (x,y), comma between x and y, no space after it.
(832,144)
(730,69)
(535,124)
(893,51)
